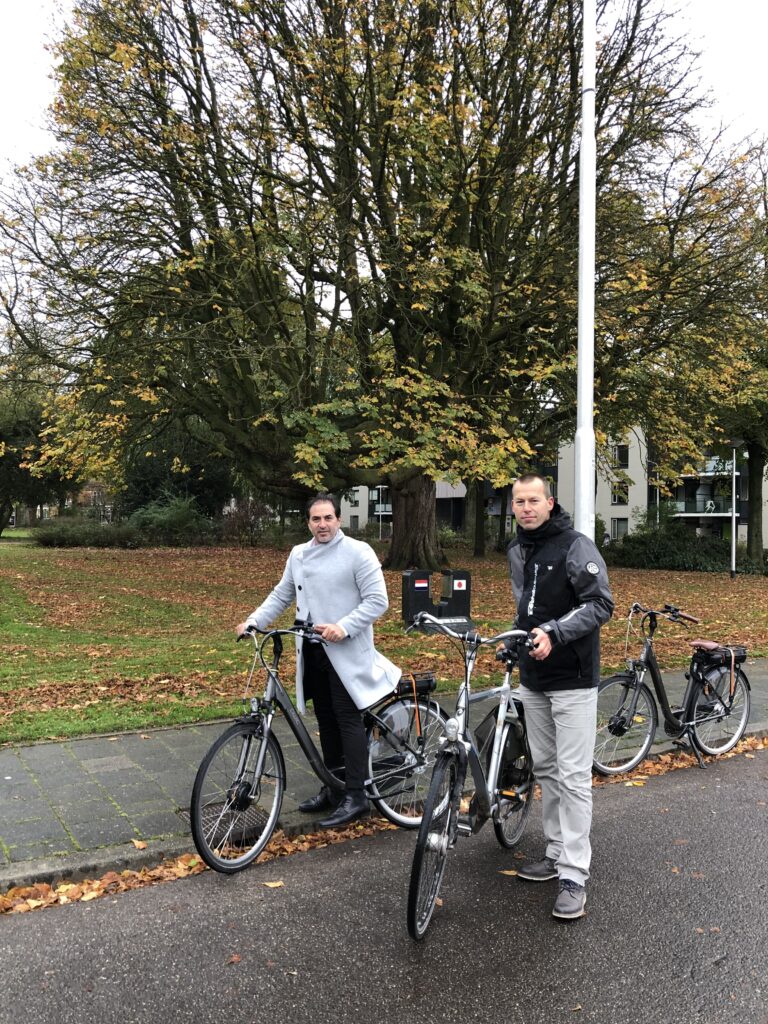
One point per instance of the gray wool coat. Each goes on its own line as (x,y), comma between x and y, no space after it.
(340,582)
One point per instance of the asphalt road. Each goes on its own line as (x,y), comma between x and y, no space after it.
(676,930)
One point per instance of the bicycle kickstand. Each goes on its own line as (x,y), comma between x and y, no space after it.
(687,739)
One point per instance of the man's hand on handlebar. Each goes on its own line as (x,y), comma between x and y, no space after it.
(542,644)
(242,630)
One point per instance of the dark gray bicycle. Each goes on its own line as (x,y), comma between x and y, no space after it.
(711,719)
(239,787)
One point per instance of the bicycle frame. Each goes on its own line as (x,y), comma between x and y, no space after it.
(276,696)
(679,724)
(647,661)
(459,738)
(484,800)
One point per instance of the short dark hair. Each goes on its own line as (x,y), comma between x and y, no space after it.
(324,496)
(528,478)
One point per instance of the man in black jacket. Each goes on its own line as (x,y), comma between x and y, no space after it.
(560,584)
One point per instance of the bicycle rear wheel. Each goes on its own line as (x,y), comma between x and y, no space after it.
(432,844)
(403,742)
(514,797)
(235,806)
(622,742)
(720,721)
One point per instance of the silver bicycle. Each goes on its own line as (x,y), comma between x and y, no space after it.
(499,759)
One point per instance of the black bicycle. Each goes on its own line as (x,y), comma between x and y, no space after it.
(711,719)
(498,758)
(239,787)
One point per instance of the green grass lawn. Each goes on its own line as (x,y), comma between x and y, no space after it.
(102,640)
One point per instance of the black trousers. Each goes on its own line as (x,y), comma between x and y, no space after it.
(342,733)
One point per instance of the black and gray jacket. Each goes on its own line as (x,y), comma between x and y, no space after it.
(560,584)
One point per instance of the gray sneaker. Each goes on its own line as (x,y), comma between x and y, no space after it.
(570,901)
(538,870)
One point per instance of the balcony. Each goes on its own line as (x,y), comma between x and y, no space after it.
(704,507)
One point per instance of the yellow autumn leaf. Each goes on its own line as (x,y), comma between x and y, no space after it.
(273,885)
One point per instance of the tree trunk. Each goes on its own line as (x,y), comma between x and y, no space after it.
(479,487)
(501,540)
(757,458)
(414,542)
(6,511)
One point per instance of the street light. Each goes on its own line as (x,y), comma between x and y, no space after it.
(379,489)
(584,442)
(733,444)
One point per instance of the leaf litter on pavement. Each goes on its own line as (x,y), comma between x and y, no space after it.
(40,896)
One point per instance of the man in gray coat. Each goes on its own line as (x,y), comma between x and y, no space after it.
(336,582)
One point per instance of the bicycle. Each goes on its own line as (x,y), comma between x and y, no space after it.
(714,711)
(239,786)
(500,762)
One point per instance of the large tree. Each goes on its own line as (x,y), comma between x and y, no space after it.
(345,234)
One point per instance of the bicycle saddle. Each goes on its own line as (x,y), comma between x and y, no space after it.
(705,645)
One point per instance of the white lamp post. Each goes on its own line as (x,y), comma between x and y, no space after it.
(734,443)
(584,504)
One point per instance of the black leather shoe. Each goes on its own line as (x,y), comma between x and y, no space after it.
(354,805)
(325,800)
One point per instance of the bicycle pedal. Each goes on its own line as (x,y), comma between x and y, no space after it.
(464,825)
(509,794)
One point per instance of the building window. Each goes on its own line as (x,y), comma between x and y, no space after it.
(619,528)
(621,456)
(620,493)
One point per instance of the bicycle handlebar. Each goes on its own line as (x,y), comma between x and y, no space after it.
(669,611)
(519,636)
(300,627)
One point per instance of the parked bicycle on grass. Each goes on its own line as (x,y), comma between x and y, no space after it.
(713,715)
(498,759)
(239,787)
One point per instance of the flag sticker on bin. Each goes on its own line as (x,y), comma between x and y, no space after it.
(459,584)
(422,584)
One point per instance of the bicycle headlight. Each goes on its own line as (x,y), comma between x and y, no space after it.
(451,730)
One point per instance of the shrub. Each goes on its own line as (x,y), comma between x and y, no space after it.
(175,521)
(675,547)
(72,532)
(246,524)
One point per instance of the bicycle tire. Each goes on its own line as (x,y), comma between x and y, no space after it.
(719,722)
(432,844)
(621,745)
(233,814)
(401,754)
(511,815)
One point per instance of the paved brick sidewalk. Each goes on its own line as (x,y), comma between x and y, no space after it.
(70,809)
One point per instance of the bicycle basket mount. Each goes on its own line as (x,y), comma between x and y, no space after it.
(424,683)
(721,657)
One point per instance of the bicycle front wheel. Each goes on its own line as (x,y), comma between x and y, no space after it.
(237,797)
(515,797)
(624,736)
(432,844)
(719,720)
(402,746)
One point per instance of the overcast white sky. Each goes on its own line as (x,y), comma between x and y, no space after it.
(732,36)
